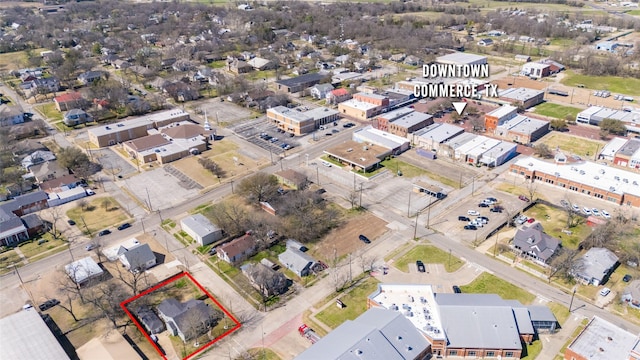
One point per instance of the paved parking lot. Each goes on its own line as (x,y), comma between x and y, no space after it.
(251,130)
(219,112)
(448,223)
(153,185)
(112,161)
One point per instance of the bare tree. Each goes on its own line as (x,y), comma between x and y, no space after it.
(135,280)
(571,214)
(565,264)
(69,283)
(55,214)
(532,186)
(229,216)
(106,202)
(83,203)
(106,297)
(353,198)
(68,298)
(367,261)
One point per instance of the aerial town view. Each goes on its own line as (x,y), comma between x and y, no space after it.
(319,180)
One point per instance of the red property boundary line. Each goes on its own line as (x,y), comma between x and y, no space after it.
(164,283)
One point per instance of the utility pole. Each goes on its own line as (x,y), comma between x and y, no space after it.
(148,199)
(409,203)
(415,227)
(270,154)
(495,247)
(360,206)
(15,267)
(318,175)
(473,185)
(572,296)
(231,186)
(429,211)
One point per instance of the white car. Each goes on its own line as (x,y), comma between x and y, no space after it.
(586,210)
(575,207)
(326,163)
(473,213)
(605,214)
(476,223)
(90,192)
(595,212)
(605,291)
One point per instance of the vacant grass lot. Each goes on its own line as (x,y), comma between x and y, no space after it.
(633,12)
(554,220)
(429,255)
(32,248)
(560,311)
(490,284)
(572,144)
(627,86)
(7,259)
(556,111)
(49,112)
(97,215)
(263,353)
(356,301)
(406,169)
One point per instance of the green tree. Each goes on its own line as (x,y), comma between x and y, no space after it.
(259,187)
(613,126)
(558,125)
(96,48)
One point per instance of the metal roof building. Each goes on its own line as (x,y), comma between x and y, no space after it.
(609,151)
(384,139)
(462,59)
(376,334)
(83,270)
(435,134)
(25,335)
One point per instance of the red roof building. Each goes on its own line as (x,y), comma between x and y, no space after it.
(68,101)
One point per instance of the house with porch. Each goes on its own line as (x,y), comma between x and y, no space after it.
(532,242)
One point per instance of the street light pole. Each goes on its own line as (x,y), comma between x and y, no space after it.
(572,296)
(409,203)
(429,211)
(415,228)
(449,258)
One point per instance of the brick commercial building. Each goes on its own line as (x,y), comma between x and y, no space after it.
(364,106)
(522,97)
(498,116)
(107,135)
(301,122)
(590,179)
(522,129)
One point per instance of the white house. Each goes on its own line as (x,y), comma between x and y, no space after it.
(320,91)
(137,258)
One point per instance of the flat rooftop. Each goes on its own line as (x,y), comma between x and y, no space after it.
(613,146)
(605,178)
(502,111)
(412,119)
(24,335)
(294,115)
(355,153)
(439,132)
(360,105)
(458,141)
(148,121)
(601,340)
(461,58)
(395,114)
(416,302)
(320,113)
(523,125)
(520,94)
(379,137)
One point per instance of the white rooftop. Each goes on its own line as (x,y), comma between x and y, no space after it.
(477,146)
(83,269)
(24,335)
(523,124)
(291,114)
(601,340)
(502,111)
(613,146)
(458,141)
(461,58)
(411,119)
(320,113)
(521,94)
(379,137)
(360,105)
(603,177)
(415,302)
(146,120)
(439,132)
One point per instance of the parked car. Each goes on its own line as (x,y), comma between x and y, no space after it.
(492,200)
(470,227)
(586,210)
(521,219)
(321,191)
(456,289)
(575,207)
(626,278)
(483,205)
(326,163)
(476,223)
(564,203)
(420,266)
(531,220)
(274,140)
(364,239)
(595,212)
(90,247)
(104,232)
(484,219)
(124,226)
(605,214)
(335,131)
(71,222)
(605,291)
(463,218)
(90,192)
(48,304)
(496,209)
(524,198)
(473,213)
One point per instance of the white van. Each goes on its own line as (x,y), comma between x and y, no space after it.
(326,163)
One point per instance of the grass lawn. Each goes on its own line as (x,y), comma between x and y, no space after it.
(624,85)
(221,64)
(15,60)
(633,12)
(560,311)
(263,353)
(32,248)
(577,331)
(556,111)
(406,169)
(532,350)
(429,255)
(8,258)
(356,301)
(49,111)
(554,220)
(96,215)
(331,161)
(491,284)
(572,144)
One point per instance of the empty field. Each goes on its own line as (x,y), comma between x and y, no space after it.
(355,301)
(572,145)
(429,255)
(556,111)
(100,213)
(490,284)
(627,86)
